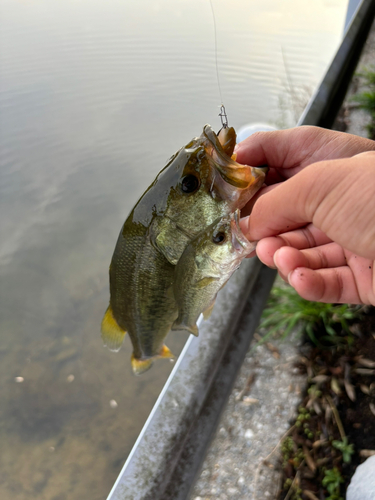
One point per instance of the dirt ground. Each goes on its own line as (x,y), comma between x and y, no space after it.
(335,427)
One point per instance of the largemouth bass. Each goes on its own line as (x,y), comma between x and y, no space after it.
(199,184)
(206,265)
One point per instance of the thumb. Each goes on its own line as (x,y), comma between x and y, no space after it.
(335,195)
(291,204)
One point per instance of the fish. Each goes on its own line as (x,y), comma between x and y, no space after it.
(204,268)
(200,183)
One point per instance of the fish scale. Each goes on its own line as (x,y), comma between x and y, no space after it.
(199,184)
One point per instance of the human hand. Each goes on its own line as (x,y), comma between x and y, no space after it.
(317,227)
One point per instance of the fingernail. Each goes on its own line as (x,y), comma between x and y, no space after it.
(236,148)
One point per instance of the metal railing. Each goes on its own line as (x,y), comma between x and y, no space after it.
(172,445)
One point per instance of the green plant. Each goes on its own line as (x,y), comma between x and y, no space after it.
(286,310)
(287,449)
(345,448)
(331,481)
(366,99)
(291,453)
(294,492)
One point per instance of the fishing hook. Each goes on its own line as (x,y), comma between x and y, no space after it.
(223,116)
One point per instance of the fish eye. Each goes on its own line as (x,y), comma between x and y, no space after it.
(218,238)
(189,183)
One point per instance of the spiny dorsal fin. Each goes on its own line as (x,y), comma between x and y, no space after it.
(112,334)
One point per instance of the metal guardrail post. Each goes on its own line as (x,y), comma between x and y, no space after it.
(171,447)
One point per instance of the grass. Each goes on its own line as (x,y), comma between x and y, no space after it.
(316,455)
(287,311)
(332,481)
(366,99)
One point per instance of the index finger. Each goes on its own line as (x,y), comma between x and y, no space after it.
(288,151)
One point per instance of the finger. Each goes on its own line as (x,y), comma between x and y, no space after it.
(276,175)
(286,259)
(326,285)
(246,210)
(271,148)
(298,147)
(306,237)
(332,195)
(285,207)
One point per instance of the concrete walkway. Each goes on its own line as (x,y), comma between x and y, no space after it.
(264,399)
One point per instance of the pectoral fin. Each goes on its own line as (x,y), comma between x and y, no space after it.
(205,281)
(112,334)
(168,238)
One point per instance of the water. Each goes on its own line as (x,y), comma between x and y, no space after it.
(94,97)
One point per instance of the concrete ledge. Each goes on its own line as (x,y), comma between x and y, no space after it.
(171,447)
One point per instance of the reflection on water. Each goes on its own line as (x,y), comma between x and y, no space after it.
(94,97)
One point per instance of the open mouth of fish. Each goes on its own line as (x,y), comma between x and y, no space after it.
(219,149)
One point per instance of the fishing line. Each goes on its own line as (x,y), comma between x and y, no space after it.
(222,114)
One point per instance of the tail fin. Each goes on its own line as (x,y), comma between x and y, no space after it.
(112,334)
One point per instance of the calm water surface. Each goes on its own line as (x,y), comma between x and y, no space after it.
(95,96)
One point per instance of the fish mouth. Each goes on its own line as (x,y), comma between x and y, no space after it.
(219,153)
(239,241)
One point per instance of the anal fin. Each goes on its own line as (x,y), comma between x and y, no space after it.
(112,334)
(140,366)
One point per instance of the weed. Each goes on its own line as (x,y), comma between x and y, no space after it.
(286,310)
(345,448)
(366,99)
(331,481)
